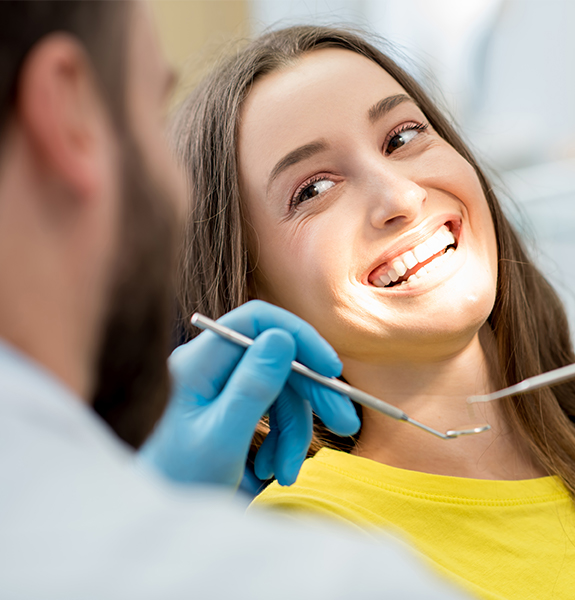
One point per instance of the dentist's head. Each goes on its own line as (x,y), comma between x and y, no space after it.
(89,201)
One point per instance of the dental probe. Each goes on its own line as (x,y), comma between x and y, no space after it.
(528,385)
(202,322)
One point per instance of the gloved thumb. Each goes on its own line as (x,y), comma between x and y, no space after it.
(257,381)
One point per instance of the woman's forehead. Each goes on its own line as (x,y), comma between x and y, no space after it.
(326,92)
(315,75)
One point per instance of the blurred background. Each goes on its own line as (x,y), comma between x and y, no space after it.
(503,69)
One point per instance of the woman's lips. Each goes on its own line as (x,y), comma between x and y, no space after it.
(418,261)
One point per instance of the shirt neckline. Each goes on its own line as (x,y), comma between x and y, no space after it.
(443,487)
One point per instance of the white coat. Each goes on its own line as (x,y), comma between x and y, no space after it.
(78,521)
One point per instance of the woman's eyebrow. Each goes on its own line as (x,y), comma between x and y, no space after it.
(295,156)
(377,111)
(382,107)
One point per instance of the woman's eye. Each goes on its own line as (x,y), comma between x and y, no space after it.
(313,190)
(403,137)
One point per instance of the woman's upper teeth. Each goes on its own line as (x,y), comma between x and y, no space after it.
(399,266)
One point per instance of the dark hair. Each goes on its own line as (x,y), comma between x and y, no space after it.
(99,25)
(527,319)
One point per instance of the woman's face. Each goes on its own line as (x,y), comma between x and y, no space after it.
(363,221)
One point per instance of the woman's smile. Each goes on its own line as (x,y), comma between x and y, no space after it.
(408,261)
(363,220)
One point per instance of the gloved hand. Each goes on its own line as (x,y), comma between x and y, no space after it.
(220,392)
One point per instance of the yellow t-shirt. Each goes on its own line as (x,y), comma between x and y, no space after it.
(499,539)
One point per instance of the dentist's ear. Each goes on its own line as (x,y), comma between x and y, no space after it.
(60,110)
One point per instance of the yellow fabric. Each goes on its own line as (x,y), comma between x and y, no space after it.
(499,539)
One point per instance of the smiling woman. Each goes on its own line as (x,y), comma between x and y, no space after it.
(324,180)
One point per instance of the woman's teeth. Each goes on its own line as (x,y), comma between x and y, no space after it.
(438,242)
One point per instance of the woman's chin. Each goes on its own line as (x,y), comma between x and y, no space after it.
(436,329)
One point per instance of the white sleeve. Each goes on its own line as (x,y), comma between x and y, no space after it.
(78,522)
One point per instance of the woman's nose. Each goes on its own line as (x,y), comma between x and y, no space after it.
(394,197)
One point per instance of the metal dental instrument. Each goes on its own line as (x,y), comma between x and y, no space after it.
(528,385)
(360,397)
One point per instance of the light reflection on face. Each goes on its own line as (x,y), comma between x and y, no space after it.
(340,175)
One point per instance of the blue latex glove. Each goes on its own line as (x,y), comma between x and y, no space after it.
(221,391)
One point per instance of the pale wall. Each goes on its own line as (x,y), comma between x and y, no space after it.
(194,32)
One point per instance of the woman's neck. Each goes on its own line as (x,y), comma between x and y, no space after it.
(435,393)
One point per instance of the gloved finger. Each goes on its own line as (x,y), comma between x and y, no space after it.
(295,427)
(335,410)
(203,365)
(264,461)
(250,484)
(253,386)
(312,350)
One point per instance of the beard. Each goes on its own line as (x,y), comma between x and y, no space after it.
(132,379)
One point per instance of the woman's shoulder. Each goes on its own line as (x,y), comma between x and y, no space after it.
(335,482)
(330,484)
(481,532)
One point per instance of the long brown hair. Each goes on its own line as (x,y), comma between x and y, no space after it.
(528,319)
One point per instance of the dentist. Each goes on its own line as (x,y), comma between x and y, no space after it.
(90,205)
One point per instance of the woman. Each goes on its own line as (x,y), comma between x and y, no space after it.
(324,180)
